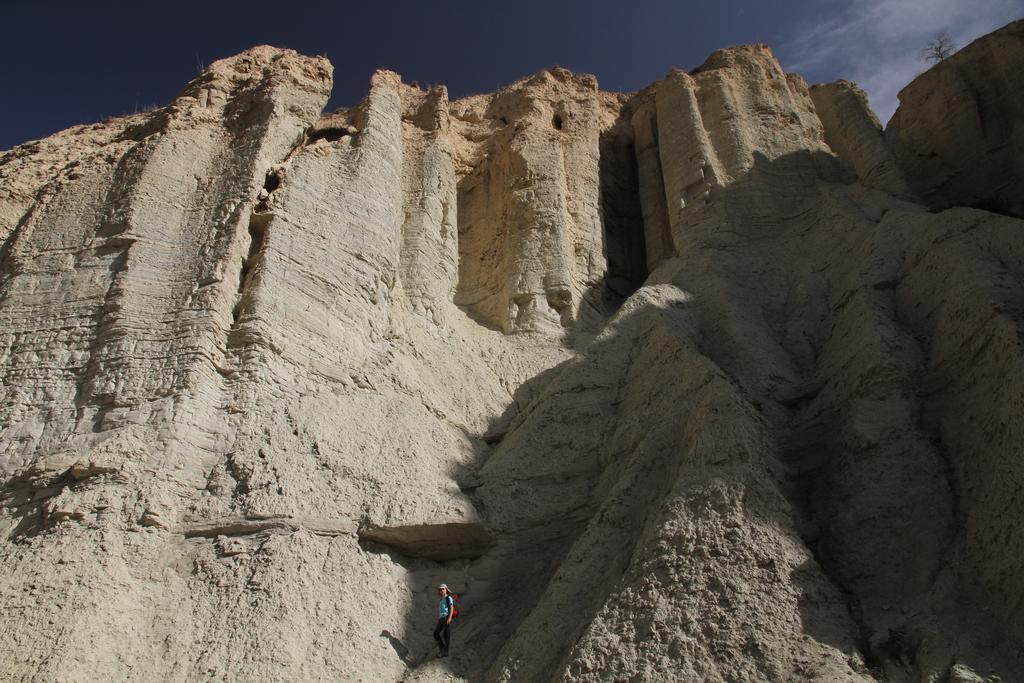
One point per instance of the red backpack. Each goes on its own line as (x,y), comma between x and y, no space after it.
(455,610)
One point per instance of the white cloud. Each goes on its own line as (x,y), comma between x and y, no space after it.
(877,43)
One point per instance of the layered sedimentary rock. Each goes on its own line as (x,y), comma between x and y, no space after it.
(271,375)
(853,132)
(957,134)
(531,245)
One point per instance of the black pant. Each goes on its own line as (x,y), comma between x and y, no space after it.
(443,634)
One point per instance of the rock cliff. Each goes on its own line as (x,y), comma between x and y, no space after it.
(957,134)
(686,384)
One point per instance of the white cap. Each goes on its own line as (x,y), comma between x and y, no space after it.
(443,585)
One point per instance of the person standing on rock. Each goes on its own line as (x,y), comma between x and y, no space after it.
(446,611)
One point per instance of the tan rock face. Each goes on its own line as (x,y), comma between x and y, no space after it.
(531,245)
(271,375)
(957,133)
(853,132)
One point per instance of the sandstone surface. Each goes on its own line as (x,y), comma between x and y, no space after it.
(684,384)
(958,134)
(853,132)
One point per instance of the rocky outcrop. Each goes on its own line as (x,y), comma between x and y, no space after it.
(799,441)
(271,375)
(853,132)
(957,134)
(531,244)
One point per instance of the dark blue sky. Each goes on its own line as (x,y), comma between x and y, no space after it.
(78,62)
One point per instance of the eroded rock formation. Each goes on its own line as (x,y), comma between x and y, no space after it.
(678,385)
(531,245)
(853,132)
(957,134)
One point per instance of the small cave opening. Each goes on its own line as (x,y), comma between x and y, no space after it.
(270,184)
(557,121)
(328,134)
(272,181)
(559,300)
